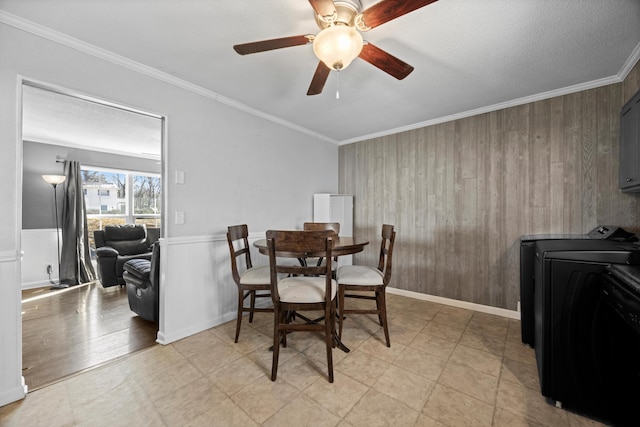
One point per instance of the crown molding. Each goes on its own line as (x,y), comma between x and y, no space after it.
(79,45)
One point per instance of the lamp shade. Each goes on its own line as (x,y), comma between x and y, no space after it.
(54,179)
(337,46)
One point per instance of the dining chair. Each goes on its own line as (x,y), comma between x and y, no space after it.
(368,279)
(249,279)
(305,288)
(319,226)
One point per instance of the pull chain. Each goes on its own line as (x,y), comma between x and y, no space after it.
(338,84)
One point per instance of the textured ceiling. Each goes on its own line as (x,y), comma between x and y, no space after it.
(469,55)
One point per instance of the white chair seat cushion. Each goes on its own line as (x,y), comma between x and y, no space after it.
(359,275)
(256,276)
(304,289)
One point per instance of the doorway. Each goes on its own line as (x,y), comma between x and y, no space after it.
(70,330)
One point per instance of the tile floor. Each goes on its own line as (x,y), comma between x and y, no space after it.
(446,367)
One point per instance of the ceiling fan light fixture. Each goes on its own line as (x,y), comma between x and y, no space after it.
(337,46)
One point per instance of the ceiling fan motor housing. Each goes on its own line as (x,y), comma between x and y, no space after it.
(346,11)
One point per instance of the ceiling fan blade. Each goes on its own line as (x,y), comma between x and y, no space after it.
(319,79)
(386,10)
(323,7)
(385,61)
(264,45)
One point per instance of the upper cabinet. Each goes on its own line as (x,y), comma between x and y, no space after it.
(629,178)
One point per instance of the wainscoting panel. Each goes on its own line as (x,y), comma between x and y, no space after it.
(462,193)
(197,290)
(39,247)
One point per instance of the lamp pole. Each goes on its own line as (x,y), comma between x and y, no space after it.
(54,180)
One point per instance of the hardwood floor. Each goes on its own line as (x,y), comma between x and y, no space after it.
(68,331)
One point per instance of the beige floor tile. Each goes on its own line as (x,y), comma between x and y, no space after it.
(504,418)
(514,332)
(443,331)
(170,379)
(127,406)
(93,385)
(428,343)
(216,358)
(452,316)
(378,409)
(483,342)
(446,367)
(362,367)
(197,343)
(426,365)
(337,397)
(226,414)
(251,340)
(490,325)
(405,387)
(237,375)
(48,406)
(149,361)
(302,411)
(521,373)
(520,352)
(263,398)
(301,371)
(470,381)
(529,404)
(379,349)
(424,310)
(189,402)
(318,351)
(453,408)
(479,360)
(425,421)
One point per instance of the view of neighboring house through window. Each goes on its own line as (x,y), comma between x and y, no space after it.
(120,197)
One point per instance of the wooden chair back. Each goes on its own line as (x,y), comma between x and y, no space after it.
(238,240)
(296,244)
(386,252)
(319,226)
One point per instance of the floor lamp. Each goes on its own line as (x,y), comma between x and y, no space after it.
(54,180)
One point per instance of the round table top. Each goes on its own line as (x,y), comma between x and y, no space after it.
(343,245)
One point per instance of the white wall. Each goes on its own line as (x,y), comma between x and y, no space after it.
(238,168)
(39,248)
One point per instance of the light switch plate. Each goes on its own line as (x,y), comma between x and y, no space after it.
(179,217)
(179,177)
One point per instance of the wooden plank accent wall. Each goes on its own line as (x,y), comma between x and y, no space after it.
(461,193)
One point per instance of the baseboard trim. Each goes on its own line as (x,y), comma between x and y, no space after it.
(165,339)
(14,394)
(511,314)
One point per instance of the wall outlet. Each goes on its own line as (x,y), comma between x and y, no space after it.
(49,269)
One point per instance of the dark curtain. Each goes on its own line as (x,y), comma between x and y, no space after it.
(75,261)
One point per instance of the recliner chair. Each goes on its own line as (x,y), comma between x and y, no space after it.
(142,278)
(117,244)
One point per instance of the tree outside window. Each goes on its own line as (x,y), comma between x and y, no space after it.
(115,197)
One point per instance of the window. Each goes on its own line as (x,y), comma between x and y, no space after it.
(115,197)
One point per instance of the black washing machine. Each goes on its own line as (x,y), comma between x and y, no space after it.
(527,267)
(569,313)
(616,349)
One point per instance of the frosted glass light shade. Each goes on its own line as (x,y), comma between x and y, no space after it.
(337,46)
(54,179)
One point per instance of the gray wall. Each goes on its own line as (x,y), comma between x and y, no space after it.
(40,159)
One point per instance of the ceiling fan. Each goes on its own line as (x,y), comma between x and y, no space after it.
(339,41)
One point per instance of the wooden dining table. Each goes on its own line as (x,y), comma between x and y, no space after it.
(343,245)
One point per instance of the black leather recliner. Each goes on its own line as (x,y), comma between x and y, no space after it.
(117,244)
(142,278)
